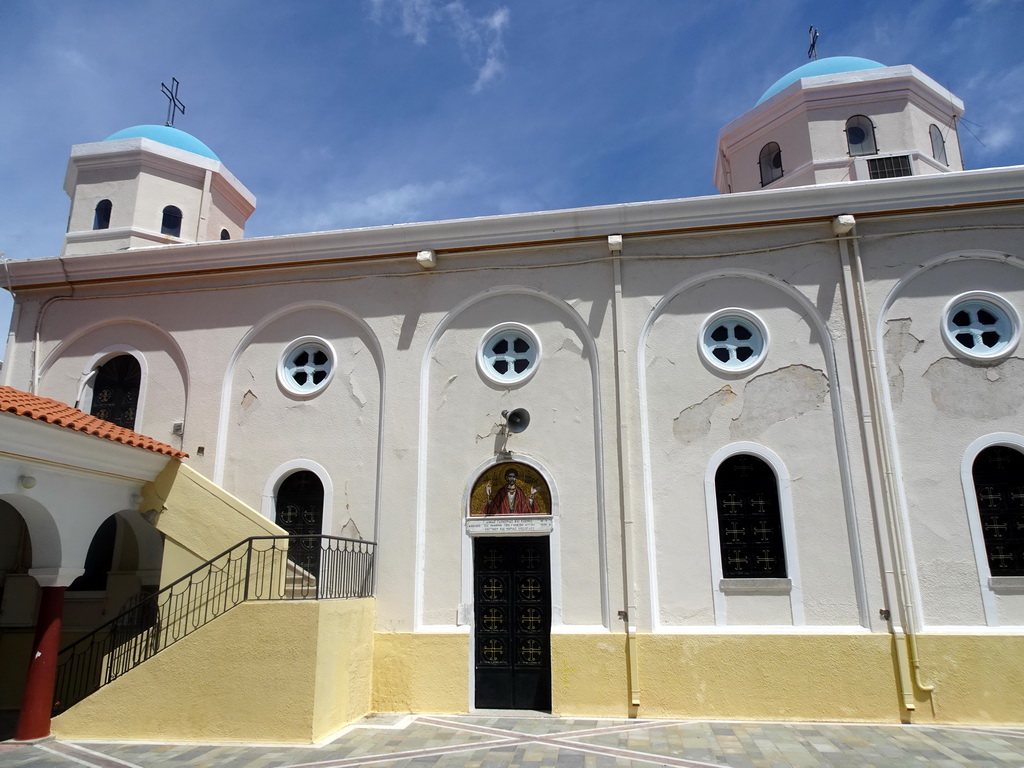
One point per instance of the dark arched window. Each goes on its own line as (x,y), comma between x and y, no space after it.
(225,235)
(770,162)
(171,223)
(860,136)
(938,144)
(115,393)
(101,216)
(749,523)
(300,511)
(999,487)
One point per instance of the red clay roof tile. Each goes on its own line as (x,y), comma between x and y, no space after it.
(63,415)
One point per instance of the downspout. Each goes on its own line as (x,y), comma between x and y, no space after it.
(896,583)
(629,615)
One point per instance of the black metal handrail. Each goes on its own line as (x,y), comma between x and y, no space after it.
(258,568)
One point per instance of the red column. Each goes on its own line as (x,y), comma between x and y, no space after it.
(37,702)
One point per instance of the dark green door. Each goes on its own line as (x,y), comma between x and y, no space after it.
(512,606)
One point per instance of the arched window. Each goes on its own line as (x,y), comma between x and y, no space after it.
(938,144)
(101,217)
(999,487)
(225,235)
(860,136)
(300,511)
(115,395)
(749,522)
(171,222)
(770,162)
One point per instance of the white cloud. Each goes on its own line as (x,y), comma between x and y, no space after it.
(414,201)
(481,38)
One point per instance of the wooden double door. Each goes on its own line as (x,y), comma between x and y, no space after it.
(512,608)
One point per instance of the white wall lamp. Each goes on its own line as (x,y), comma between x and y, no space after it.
(27,482)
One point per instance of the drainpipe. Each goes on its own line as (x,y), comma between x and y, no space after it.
(896,582)
(629,615)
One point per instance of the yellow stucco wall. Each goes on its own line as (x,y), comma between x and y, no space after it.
(289,672)
(199,518)
(306,669)
(840,677)
(977,679)
(420,672)
(344,665)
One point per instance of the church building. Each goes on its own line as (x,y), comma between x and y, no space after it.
(756,455)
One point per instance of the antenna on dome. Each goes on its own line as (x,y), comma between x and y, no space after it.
(173,102)
(812,51)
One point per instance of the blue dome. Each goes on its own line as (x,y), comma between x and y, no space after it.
(830,66)
(165,134)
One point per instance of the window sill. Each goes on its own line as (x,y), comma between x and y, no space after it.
(756,586)
(1006,585)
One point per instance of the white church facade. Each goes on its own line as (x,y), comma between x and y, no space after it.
(757,455)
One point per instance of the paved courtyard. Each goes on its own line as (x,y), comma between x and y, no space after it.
(537,742)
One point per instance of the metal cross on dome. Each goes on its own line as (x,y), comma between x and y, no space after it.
(173,102)
(812,51)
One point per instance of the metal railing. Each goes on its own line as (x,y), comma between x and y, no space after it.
(259,568)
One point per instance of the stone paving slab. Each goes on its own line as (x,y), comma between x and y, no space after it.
(508,741)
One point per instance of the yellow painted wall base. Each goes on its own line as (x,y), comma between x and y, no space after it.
(287,672)
(421,672)
(296,672)
(837,677)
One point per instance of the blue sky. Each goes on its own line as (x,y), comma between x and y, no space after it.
(346,113)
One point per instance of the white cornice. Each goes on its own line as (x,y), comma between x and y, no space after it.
(938,191)
(151,156)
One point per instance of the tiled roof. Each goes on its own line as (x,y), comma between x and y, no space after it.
(63,415)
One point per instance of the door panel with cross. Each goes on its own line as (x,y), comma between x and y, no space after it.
(512,608)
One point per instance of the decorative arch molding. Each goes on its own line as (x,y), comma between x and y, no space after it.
(785,513)
(814,319)
(889,415)
(372,344)
(88,374)
(268,506)
(590,353)
(988,594)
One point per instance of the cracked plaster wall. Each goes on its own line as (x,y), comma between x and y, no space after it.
(462,433)
(941,403)
(784,405)
(337,428)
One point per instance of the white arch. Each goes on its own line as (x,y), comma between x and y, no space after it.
(785,513)
(87,376)
(845,474)
(372,344)
(268,506)
(889,413)
(590,350)
(1010,440)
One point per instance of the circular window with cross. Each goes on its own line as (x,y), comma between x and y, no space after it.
(306,366)
(733,340)
(981,326)
(509,354)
